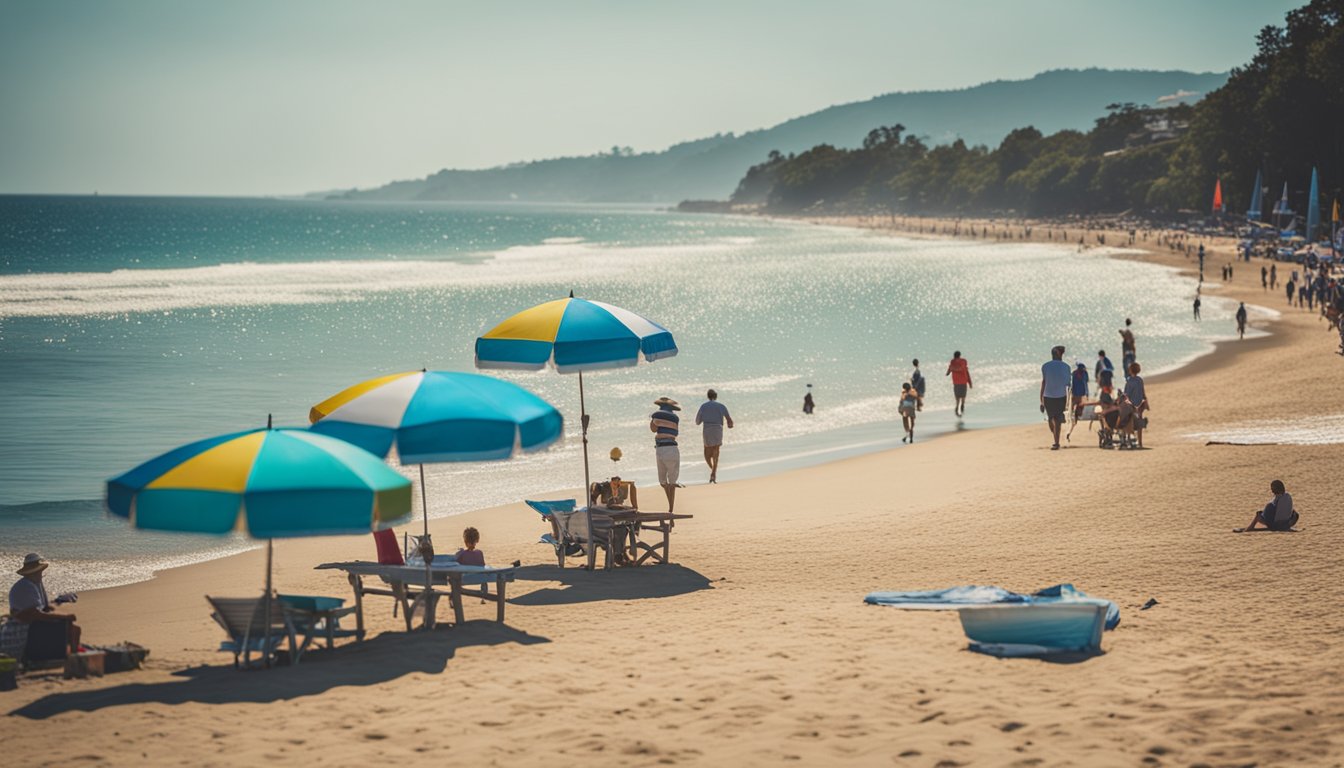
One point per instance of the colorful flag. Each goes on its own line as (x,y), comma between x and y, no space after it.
(1218,196)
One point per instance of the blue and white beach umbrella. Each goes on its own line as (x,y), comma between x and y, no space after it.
(436,416)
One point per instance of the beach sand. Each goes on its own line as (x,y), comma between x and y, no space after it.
(755,647)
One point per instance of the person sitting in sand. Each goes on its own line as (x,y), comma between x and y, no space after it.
(28,604)
(909,405)
(1278,514)
(469,554)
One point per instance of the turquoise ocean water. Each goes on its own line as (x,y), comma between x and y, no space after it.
(129,326)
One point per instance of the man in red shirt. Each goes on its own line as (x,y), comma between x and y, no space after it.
(961,380)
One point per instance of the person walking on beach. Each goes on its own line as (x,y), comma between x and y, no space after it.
(1196,306)
(808,404)
(1290,289)
(1241,321)
(1264,278)
(1055,377)
(1128,354)
(714,416)
(1273,276)
(1078,389)
(908,406)
(918,383)
(665,424)
(961,381)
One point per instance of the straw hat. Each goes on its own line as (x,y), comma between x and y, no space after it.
(32,563)
(667,401)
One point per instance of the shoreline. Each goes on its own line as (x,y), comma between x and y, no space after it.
(755,647)
(787,463)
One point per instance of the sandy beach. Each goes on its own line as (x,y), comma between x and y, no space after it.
(755,647)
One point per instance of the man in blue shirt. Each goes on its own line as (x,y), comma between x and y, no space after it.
(714,416)
(1055,379)
(664,424)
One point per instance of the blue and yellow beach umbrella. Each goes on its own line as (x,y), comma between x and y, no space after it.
(270,483)
(573,335)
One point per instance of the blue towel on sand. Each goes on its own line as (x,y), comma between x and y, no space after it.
(957,597)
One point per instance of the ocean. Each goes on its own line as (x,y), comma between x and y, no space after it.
(129,326)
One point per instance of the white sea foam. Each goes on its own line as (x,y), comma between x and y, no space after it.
(685,388)
(259,284)
(1312,430)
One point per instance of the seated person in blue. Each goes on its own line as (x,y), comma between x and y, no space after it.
(28,604)
(1278,514)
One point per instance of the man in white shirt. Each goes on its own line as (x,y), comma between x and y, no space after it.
(1056,377)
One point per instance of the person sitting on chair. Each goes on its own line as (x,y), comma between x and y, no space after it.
(47,628)
(615,493)
(1278,514)
(469,554)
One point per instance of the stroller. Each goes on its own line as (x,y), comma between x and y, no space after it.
(1128,420)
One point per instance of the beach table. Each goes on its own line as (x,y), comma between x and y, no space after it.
(319,614)
(627,524)
(405,583)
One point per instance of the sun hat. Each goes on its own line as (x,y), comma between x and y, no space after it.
(667,401)
(32,563)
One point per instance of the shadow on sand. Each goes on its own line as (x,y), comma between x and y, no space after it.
(1055,657)
(378,660)
(581,586)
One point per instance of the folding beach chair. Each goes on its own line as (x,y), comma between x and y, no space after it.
(570,534)
(244,619)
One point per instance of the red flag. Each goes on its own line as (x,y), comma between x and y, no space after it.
(1218,196)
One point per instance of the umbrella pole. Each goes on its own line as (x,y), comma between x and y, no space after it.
(587,482)
(266,647)
(424,509)
(583,420)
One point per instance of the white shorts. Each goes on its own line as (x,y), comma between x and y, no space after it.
(669,464)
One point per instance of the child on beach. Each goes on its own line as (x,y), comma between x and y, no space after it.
(469,554)
(909,404)
(1278,514)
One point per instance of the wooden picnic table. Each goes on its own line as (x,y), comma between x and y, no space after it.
(631,522)
(406,584)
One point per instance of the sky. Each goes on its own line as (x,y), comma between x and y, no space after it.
(260,97)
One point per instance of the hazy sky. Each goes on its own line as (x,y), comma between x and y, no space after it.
(288,96)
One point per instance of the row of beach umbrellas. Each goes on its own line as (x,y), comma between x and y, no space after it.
(330,478)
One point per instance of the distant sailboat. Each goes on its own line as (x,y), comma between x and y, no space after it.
(1313,208)
(1217,196)
(1281,208)
(1257,208)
